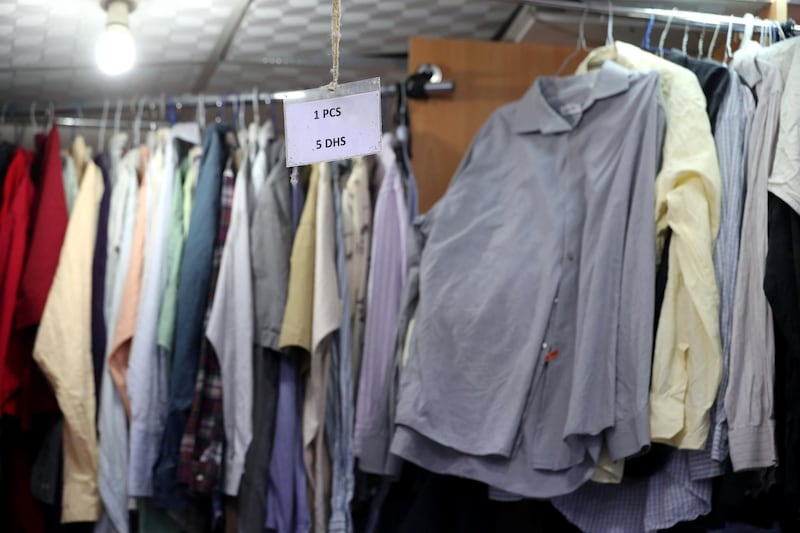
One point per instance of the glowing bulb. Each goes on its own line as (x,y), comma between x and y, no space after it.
(115,51)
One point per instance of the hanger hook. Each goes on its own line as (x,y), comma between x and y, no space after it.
(581,45)
(700,43)
(664,33)
(728,51)
(685,41)
(256,117)
(201,111)
(610,28)
(101,135)
(713,42)
(51,111)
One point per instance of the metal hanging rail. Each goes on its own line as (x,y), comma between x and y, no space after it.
(64,115)
(691,18)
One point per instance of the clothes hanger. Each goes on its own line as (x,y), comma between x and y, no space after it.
(645,44)
(256,117)
(200,112)
(713,43)
(610,27)
(137,122)
(701,43)
(581,44)
(50,114)
(749,26)
(118,117)
(685,41)
(34,126)
(101,134)
(664,33)
(728,52)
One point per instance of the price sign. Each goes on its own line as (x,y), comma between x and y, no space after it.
(323,125)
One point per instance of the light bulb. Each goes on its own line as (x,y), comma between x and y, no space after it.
(115,50)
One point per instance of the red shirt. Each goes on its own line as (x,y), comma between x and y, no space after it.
(48,225)
(23,388)
(15,210)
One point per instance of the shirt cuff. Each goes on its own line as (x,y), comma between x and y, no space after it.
(752,446)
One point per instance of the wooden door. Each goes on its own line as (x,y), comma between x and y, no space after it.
(486,75)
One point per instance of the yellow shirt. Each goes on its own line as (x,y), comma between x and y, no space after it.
(63,350)
(296,328)
(687,364)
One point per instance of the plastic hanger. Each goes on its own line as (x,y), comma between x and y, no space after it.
(101,135)
(685,41)
(728,51)
(713,42)
(117,117)
(700,43)
(749,26)
(664,33)
(201,111)
(581,45)
(256,117)
(645,44)
(137,122)
(610,27)
(50,114)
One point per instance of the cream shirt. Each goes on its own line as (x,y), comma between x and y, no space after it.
(687,364)
(63,350)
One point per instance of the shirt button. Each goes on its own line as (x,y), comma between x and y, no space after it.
(200,478)
(571,257)
(544,346)
(555,300)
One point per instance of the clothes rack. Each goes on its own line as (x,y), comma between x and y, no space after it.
(66,115)
(691,18)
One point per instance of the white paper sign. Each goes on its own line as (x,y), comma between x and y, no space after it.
(323,125)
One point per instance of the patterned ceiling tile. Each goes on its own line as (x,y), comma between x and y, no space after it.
(47,47)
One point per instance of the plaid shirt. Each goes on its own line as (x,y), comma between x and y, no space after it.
(203,439)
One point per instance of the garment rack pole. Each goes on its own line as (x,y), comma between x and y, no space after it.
(16,114)
(691,18)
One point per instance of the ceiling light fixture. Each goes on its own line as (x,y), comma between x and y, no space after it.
(115,50)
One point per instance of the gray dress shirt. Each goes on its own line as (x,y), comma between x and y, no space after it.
(551,208)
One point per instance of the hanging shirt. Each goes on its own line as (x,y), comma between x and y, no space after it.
(125,325)
(326,317)
(63,350)
(99,332)
(529,407)
(270,246)
(147,367)
(687,363)
(287,495)
(15,215)
(732,137)
(784,179)
(112,419)
(713,77)
(386,278)
(230,332)
(339,412)
(48,226)
(204,435)
(175,242)
(193,294)
(749,393)
(357,228)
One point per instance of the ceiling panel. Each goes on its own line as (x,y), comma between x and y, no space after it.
(47,46)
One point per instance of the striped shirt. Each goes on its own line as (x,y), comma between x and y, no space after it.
(386,279)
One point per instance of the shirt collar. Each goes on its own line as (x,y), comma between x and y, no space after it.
(534,113)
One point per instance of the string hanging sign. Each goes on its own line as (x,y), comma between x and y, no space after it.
(336,121)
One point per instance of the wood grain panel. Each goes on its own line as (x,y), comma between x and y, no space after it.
(487,75)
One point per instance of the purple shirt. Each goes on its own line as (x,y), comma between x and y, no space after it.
(287,499)
(387,276)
